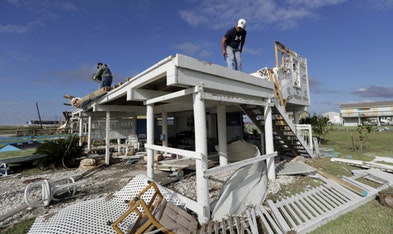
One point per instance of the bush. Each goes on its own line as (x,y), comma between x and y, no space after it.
(59,153)
(319,125)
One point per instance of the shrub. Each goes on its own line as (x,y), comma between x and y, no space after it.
(59,153)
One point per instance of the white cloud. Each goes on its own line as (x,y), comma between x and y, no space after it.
(259,13)
(13,28)
(375,91)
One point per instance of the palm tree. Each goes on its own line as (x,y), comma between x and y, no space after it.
(59,153)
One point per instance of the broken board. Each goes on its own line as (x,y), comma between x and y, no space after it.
(79,102)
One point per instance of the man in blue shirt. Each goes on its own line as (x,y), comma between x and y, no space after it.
(232,45)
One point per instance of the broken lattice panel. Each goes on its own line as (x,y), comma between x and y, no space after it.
(94,216)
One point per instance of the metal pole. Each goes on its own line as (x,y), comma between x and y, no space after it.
(39,115)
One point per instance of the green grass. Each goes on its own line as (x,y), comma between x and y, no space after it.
(372,217)
(10,154)
(21,227)
(369,218)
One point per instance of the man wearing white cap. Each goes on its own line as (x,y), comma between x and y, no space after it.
(232,45)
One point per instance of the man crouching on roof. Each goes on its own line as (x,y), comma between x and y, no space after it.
(104,75)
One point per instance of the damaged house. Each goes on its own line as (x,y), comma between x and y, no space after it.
(194,109)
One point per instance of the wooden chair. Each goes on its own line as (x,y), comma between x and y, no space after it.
(156,212)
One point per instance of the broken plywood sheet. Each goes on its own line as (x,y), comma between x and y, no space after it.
(294,168)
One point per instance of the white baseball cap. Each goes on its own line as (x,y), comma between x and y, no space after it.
(241,23)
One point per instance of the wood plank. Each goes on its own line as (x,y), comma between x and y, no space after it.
(292,212)
(231,231)
(276,214)
(345,192)
(329,199)
(313,206)
(239,226)
(339,199)
(293,203)
(337,194)
(341,182)
(318,203)
(209,227)
(224,225)
(286,214)
(252,220)
(306,213)
(359,184)
(269,222)
(321,197)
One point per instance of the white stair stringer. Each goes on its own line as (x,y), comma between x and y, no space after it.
(296,143)
(292,127)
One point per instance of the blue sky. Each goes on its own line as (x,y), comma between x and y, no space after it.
(49,48)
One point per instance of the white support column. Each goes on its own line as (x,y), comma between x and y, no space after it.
(150,139)
(296,117)
(80,128)
(164,123)
(263,148)
(201,165)
(89,134)
(222,135)
(107,130)
(134,124)
(271,174)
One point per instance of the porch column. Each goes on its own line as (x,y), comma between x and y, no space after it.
(222,134)
(296,117)
(134,124)
(150,139)
(89,133)
(164,125)
(107,131)
(80,134)
(269,147)
(201,164)
(263,148)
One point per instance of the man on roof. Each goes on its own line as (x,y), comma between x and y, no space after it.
(232,45)
(104,75)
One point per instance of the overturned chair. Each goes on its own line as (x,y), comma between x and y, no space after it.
(155,212)
(42,192)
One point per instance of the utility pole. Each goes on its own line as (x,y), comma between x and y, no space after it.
(39,116)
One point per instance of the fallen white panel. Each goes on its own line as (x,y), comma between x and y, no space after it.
(293,168)
(246,187)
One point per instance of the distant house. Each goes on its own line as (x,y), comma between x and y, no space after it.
(20,146)
(334,118)
(356,114)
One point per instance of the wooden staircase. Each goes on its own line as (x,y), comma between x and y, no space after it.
(286,139)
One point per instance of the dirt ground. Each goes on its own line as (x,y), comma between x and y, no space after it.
(99,181)
(93,183)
